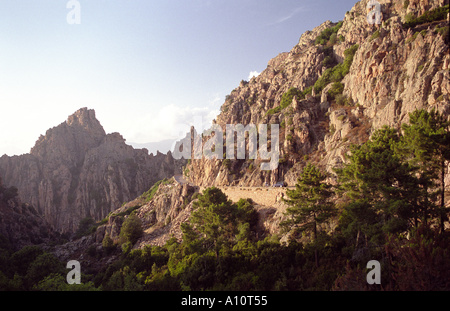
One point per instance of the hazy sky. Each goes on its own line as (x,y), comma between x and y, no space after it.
(143,65)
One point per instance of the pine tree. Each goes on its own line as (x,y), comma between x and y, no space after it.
(427,147)
(376,181)
(215,218)
(310,204)
(131,229)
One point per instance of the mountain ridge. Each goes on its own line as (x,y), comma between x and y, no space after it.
(76,170)
(364,77)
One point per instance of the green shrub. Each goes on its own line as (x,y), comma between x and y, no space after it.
(251,167)
(333,39)
(131,229)
(328,36)
(413,37)
(85,227)
(152,191)
(286,100)
(341,100)
(338,72)
(227,164)
(409,18)
(272,111)
(323,81)
(44,265)
(336,89)
(444,32)
(308,90)
(329,60)
(57,282)
(375,35)
(287,97)
(22,259)
(108,244)
(126,247)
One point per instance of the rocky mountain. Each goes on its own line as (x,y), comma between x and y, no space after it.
(76,170)
(335,87)
(340,83)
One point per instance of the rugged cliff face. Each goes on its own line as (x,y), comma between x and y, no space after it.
(394,70)
(77,170)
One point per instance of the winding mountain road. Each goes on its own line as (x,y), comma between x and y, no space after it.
(260,195)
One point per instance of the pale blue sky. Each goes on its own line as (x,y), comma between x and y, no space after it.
(143,65)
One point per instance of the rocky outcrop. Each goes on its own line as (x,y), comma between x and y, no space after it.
(171,204)
(398,70)
(161,216)
(395,70)
(76,170)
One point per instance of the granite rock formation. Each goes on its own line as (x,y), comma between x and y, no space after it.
(395,70)
(76,170)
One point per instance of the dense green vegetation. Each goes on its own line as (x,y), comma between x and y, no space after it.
(338,72)
(31,268)
(328,36)
(286,99)
(444,32)
(430,16)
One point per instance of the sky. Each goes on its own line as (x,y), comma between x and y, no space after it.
(146,67)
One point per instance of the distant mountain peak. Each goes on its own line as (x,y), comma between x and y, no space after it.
(80,132)
(76,170)
(86,119)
